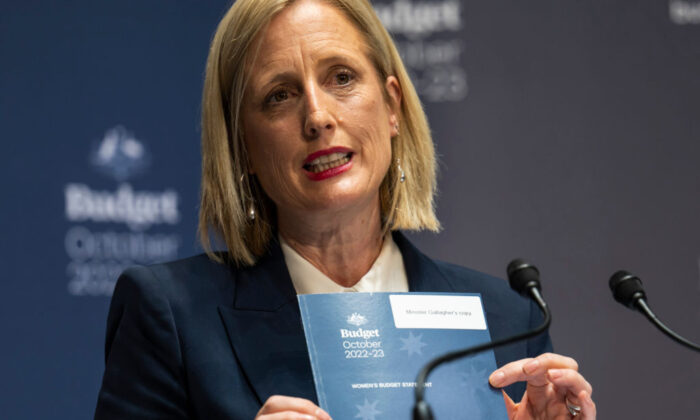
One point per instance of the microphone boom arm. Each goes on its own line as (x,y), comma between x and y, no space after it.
(644,308)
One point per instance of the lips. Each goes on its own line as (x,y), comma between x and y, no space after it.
(327,163)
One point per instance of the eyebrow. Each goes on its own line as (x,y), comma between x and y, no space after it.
(285,76)
(279,77)
(332,58)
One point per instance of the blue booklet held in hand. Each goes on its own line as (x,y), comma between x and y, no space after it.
(367,348)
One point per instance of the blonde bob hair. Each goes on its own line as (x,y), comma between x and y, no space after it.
(227,190)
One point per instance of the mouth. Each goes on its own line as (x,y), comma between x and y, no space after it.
(327,163)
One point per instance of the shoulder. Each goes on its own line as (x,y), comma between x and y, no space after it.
(177,299)
(495,291)
(180,270)
(197,274)
(461,276)
(170,295)
(156,313)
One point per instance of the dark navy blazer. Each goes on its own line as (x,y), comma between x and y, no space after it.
(193,339)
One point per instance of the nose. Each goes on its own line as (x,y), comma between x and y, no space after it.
(318,119)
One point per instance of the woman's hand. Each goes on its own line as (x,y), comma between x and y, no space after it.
(551,380)
(279,407)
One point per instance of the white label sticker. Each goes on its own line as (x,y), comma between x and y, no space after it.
(438,312)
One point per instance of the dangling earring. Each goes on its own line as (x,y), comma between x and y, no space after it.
(402,175)
(251,211)
(251,206)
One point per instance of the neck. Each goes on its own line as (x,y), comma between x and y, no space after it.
(343,245)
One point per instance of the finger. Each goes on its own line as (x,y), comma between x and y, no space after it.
(531,370)
(570,381)
(547,361)
(286,415)
(506,374)
(588,409)
(511,407)
(280,403)
(291,415)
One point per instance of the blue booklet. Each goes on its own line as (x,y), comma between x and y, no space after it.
(367,348)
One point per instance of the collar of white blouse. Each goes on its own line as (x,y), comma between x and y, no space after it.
(387,274)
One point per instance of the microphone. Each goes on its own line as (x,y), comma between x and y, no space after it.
(524,278)
(627,289)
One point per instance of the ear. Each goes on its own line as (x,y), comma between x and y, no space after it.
(393,89)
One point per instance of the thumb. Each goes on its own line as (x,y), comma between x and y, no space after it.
(511,407)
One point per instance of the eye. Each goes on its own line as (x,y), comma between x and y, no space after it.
(277,97)
(344,77)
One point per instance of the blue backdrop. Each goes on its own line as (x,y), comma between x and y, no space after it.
(568,133)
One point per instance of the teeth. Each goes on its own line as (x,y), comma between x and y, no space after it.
(327,158)
(331,161)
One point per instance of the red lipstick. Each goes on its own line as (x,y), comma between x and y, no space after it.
(312,170)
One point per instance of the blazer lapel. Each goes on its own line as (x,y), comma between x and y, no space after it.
(265,330)
(264,323)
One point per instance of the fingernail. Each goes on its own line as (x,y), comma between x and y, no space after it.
(554,373)
(322,415)
(531,366)
(497,378)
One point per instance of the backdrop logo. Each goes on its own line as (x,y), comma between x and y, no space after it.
(684,12)
(419,19)
(119,154)
(429,36)
(118,226)
(138,210)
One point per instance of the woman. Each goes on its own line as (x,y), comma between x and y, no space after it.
(314,148)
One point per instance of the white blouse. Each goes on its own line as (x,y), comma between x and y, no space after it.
(387,274)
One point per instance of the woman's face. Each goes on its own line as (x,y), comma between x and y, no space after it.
(316,123)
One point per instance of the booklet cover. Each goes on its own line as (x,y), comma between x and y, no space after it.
(367,348)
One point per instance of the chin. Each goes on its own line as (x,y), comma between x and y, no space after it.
(339,201)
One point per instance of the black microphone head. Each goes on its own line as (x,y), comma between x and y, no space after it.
(522,276)
(626,288)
